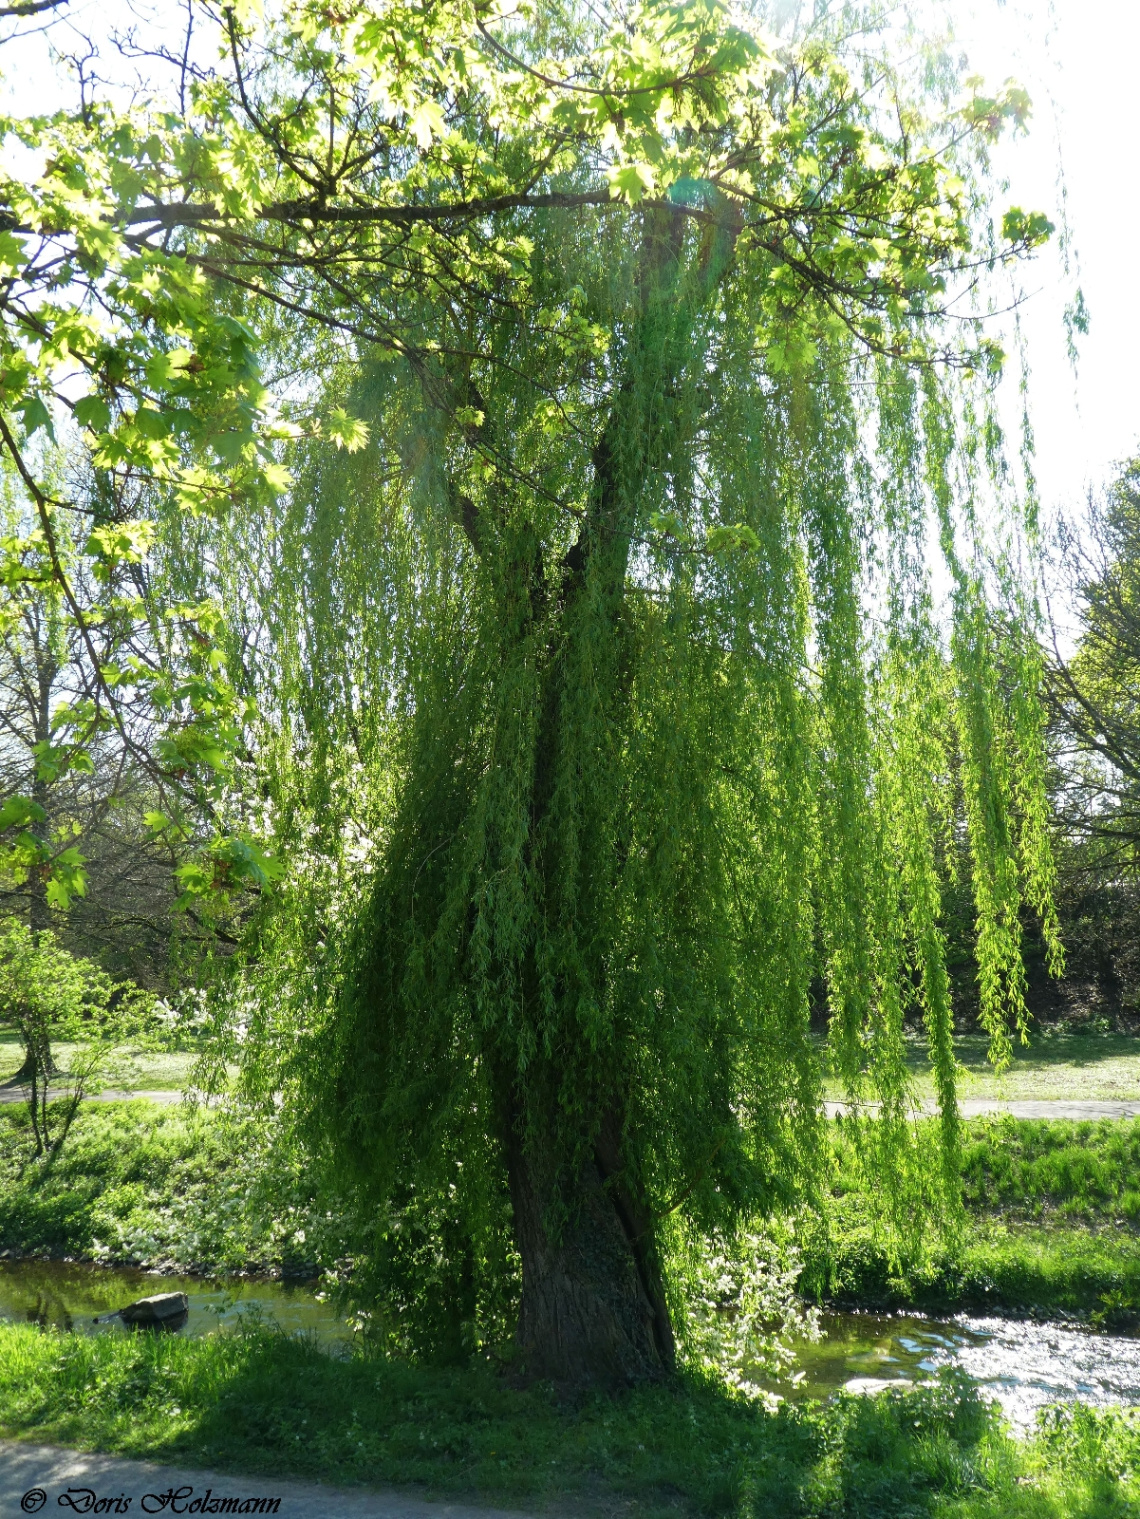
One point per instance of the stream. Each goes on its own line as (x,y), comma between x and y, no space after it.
(70,1296)
(1022,1363)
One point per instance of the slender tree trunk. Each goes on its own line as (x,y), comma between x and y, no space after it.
(38,920)
(47,672)
(27,1070)
(39,913)
(34,1104)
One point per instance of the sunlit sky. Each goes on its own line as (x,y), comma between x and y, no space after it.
(1078,59)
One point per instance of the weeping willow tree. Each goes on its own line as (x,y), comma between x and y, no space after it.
(650,340)
(635,785)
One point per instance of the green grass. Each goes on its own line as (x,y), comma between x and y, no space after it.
(259,1403)
(1052,1225)
(1058,1066)
(1015,1269)
(1036,1170)
(1053,1066)
(165,1187)
(1049,1169)
(133,1068)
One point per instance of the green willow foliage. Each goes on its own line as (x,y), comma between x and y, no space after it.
(770,799)
(607,707)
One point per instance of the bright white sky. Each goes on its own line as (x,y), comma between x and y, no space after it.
(1078,59)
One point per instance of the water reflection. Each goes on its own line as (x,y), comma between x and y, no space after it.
(48,1312)
(70,1296)
(1024,1365)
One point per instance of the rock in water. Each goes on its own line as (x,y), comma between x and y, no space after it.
(166,1310)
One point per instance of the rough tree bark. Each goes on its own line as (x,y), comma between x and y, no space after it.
(593,1307)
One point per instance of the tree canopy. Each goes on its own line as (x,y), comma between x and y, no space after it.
(619,369)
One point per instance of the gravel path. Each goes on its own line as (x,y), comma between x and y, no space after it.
(974,1107)
(43,1478)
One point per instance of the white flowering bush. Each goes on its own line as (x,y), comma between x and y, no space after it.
(736,1309)
(182,1019)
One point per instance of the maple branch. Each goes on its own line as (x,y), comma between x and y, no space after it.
(197,215)
(29,7)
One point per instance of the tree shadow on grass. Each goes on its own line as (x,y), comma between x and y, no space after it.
(1045,1052)
(260,1403)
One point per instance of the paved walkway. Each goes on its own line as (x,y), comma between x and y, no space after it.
(43,1478)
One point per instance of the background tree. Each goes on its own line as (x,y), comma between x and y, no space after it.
(79,776)
(94,858)
(1097,692)
(1094,698)
(647,314)
(92,345)
(45,994)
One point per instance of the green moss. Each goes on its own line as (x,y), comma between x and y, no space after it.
(258,1402)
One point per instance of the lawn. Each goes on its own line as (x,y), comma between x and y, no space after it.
(1062,1066)
(1052,1066)
(132,1069)
(256,1402)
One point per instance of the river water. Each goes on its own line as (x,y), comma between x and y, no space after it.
(62,1295)
(1022,1363)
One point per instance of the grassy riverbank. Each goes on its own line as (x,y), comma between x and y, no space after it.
(1066,1270)
(1051,1226)
(260,1403)
(1052,1215)
(166,1187)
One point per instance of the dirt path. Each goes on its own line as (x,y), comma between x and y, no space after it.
(43,1478)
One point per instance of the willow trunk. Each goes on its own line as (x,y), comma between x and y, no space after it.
(594,1307)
